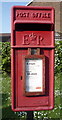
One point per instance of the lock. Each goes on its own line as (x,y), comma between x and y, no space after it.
(32,58)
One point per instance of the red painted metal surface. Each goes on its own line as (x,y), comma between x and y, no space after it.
(32,27)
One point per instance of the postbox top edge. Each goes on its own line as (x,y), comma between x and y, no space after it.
(17,15)
(33,7)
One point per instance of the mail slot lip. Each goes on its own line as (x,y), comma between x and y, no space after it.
(34,22)
(43,73)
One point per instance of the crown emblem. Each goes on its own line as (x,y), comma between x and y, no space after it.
(32,36)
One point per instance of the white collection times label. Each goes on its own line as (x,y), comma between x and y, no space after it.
(34,75)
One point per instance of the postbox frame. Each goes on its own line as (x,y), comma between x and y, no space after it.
(48,103)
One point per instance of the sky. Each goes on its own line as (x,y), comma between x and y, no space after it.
(5,14)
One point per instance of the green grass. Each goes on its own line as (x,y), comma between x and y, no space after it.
(6,101)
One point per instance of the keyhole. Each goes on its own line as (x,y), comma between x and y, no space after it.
(21,77)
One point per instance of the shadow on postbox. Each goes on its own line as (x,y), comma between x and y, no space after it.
(32,58)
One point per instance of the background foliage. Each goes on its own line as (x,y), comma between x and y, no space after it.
(58,57)
(6,59)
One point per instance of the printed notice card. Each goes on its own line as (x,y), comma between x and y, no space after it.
(34,75)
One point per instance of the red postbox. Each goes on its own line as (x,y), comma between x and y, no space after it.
(32,58)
